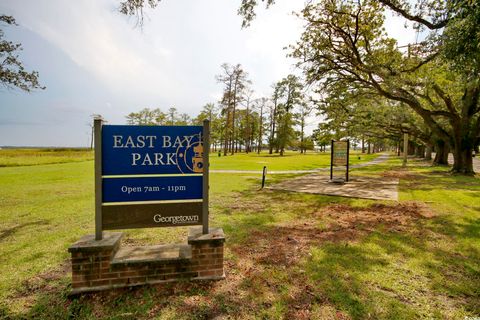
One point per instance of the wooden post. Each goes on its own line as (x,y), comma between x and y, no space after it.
(405,149)
(206,152)
(263,176)
(331,161)
(97,124)
(348,159)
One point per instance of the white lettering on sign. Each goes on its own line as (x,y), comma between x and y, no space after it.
(141,141)
(179,142)
(170,188)
(170,159)
(154,159)
(167,142)
(175,219)
(135,158)
(129,190)
(137,142)
(117,140)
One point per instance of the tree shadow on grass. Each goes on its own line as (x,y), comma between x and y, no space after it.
(8,232)
(265,208)
(334,275)
(356,246)
(447,271)
(429,181)
(323,261)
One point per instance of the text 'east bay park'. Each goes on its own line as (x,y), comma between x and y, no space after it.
(151,142)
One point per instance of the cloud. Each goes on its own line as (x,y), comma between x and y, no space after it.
(398,28)
(16,122)
(98,39)
(174,59)
(171,62)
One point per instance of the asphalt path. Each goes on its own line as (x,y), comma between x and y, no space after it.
(381,158)
(476,163)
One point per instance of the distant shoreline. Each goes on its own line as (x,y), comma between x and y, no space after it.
(44,147)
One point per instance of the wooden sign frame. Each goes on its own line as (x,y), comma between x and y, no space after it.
(137,214)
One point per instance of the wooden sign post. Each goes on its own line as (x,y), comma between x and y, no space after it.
(206,170)
(145,177)
(97,127)
(264,174)
(150,176)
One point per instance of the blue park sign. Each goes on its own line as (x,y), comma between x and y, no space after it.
(152,176)
(131,150)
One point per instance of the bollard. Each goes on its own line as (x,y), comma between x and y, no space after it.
(263,176)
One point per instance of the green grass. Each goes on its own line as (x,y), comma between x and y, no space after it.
(30,157)
(288,255)
(240,161)
(290,161)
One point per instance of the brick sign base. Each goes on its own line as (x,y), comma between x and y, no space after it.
(104,264)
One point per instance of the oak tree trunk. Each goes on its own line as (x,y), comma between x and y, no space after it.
(441,155)
(428,152)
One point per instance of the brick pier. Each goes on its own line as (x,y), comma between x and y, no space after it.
(102,265)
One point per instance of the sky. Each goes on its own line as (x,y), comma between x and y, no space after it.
(93,60)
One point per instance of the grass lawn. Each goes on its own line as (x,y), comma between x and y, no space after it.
(240,161)
(30,157)
(290,161)
(288,255)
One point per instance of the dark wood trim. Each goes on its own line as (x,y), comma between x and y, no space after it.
(150,215)
(206,169)
(97,124)
(331,160)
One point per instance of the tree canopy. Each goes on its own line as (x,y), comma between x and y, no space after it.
(344,49)
(12,72)
(345,52)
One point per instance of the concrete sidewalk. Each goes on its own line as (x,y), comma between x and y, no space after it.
(358,187)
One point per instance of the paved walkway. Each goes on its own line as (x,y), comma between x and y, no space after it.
(357,187)
(381,158)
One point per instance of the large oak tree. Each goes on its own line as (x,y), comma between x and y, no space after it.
(345,46)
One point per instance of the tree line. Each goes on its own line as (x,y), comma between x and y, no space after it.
(429,89)
(242,122)
(364,84)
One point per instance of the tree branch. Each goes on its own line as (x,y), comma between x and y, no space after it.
(407,15)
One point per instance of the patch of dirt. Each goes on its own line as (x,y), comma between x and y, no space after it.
(245,205)
(43,282)
(29,290)
(132,242)
(258,272)
(400,174)
(285,245)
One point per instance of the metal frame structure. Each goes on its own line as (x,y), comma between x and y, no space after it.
(332,150)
